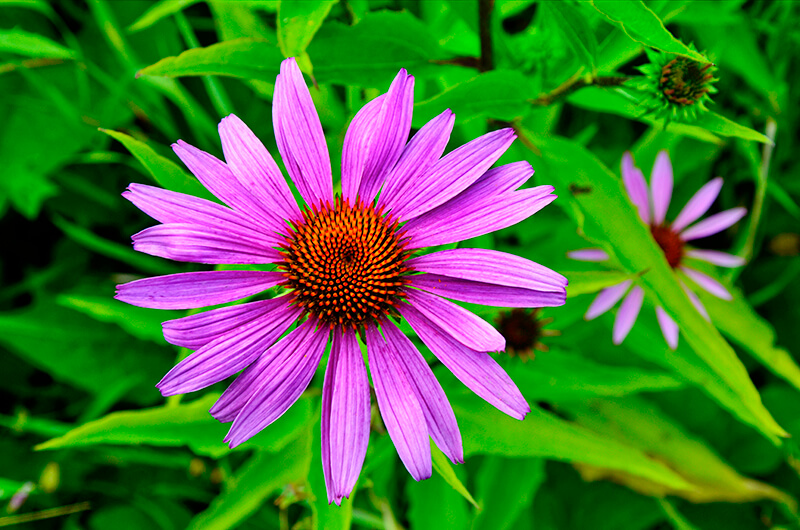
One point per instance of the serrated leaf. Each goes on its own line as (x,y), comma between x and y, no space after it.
(158,11)
(644,26)
(247,58)
(258,478)
(164,171)
(174,426)
(442,466)
(499,94)
(32,45)
(298,22)
(488,431)
(571,164)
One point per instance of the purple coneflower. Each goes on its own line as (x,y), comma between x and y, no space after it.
(672,237)
(346,266)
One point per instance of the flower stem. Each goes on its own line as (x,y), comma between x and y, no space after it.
(576,82)
(485,8)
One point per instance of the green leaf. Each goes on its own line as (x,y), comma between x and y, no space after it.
(157,11)
(721,125)
(644,26)
(506,487)
(488,431)
(261,476)
(737,320)
(298,22)
(558,376)
(433,505)
(442,466)
(571,164)
(576,32)
(185,424)
(140,322)
(32,45)
(165,172)
(247,58)
(371,52)
(499,94)
(587,282)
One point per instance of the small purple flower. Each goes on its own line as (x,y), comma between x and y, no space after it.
(652,205)
(347,267)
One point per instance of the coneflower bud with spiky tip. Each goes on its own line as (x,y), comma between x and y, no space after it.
(678,88)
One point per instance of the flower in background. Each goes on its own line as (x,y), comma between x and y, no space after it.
(347,267)
(652,205)
(678,88)
(523,330)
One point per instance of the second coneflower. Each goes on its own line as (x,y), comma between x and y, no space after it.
(652,204)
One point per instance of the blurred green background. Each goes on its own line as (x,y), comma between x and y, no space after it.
(634,437)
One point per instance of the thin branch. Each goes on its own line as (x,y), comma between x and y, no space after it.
(485,8)
(574,83)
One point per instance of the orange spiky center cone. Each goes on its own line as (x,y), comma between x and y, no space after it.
(346,264)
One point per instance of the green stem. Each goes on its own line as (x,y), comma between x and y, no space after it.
(576,82)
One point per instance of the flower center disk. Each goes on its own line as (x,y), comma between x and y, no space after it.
(670,242)
(346,264)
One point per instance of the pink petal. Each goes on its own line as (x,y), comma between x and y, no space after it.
(355,150)
(419,155)
(668,327)
(299,135)
(228,353)
(607,298)
(661,187)
(588,254)
(189,290)
(345,416)
(486,293)
(722,259)
(698,204)
(714,224)
(695,301)
(636,187)
(467,328)
(400,409)
(708,283)
(477,370)
(627,313)
(255,168)
(439,416)
(284,374)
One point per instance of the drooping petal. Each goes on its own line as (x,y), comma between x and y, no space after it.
(419,155)
(215,175)
(439,416)
(380,141)
(193,244)
(255,168)
(279,385)
(465,327)
(490,266)
(469,215)
(707,283)
(607,298)
(661,187)
(695,301)
(698,204)
(453,174)
(477,370)
(401,411)
(486,293)
(668,327)
(588,254)
(636,187)
(345,416)
(171,207)
(714,224)
(195,331)
(228,353)
(299,135)
(627,313)
(189,290)
(722,259)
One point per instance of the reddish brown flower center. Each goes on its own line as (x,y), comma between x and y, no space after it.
(670,242)
(522,330)
(346,264)
(685,81)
